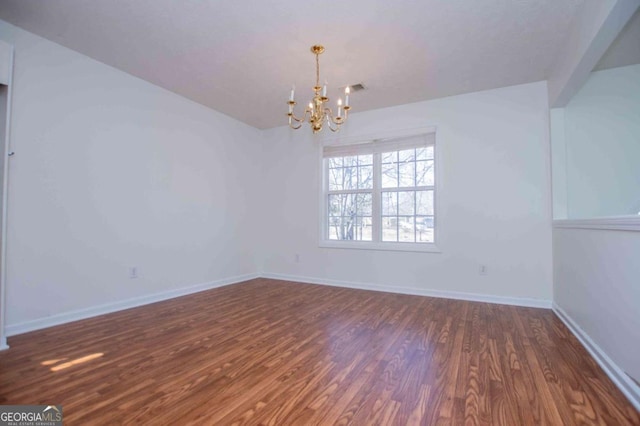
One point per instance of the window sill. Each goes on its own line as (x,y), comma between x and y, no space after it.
(365,245)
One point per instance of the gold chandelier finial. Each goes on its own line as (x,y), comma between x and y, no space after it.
(316,112)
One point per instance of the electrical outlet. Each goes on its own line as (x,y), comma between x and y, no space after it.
(133,272)
(482,269)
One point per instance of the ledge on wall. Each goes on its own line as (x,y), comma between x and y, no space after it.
(620,223)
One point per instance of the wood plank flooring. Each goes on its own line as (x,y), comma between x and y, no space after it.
(281,353)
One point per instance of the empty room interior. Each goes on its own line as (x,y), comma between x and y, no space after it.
(284,213)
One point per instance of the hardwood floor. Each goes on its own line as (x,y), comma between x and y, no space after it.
(274,352)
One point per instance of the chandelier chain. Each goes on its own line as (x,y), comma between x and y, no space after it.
(317,70)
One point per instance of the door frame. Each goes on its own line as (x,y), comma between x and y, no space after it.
(9,49)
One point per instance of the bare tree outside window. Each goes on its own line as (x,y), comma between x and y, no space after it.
(407,195)
(403,194)
(350,206)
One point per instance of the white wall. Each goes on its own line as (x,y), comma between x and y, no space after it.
(602,137)
(112,172)
(6,56)
(558,162)
(596,277)
(596,273)
(495,201)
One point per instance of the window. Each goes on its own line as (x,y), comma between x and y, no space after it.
(380,194)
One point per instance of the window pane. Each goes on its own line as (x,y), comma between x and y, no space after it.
(351,161)
(424,202)
(406,202)
(350,216)
(342,205)
(349,205)
(335,162)
(389,229)
(335,179)
(390,175)
(344,229)
(430,152)
(339,228)
(343,178)
(389,203)
(363,228)
(407,174)
(406,155)
(363,204)
(424,173)
(424,229)
(333,228)
(335,205)
(365,177)
(350,178)
(406,229)
(365,160)
(389,157)
(421,153)
(349,228)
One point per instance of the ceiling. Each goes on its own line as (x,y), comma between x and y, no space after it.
(625,49)
(241,57)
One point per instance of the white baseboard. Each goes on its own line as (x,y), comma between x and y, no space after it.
(474,297)
(630,389)
(3,344)
(27,326)
(40,323)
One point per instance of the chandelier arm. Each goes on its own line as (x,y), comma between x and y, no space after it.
(303,118)
(338,121)
(294,127)
(329,115)
(333,126)
(299,120)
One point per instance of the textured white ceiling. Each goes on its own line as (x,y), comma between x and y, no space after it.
(241,57)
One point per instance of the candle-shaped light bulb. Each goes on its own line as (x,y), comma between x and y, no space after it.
(324,89)
(347,90)
(310,106)
(339,108)
(293,91)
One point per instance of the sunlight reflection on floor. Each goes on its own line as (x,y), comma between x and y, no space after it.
(72,362)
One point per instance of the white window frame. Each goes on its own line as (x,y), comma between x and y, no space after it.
(363,145)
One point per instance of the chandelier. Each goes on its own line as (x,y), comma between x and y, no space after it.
(317,112)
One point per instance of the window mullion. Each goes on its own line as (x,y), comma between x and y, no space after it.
(349,191)
(376,199)
(326,226)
